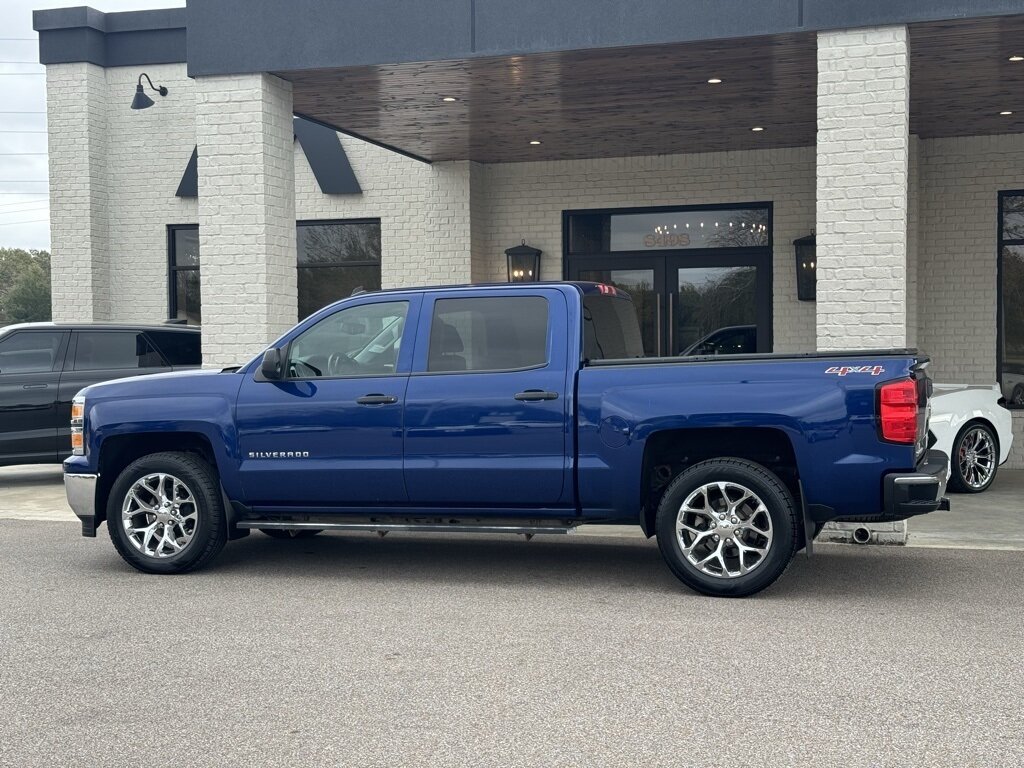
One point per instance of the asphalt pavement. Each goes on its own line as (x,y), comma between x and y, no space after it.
(415,650)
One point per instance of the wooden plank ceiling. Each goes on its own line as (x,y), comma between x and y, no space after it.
(961,77)
(651,100)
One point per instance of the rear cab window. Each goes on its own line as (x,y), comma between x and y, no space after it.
(611,330)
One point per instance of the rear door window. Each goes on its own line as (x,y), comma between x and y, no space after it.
(111,350)
(181,348)
(499,333)
(30,351)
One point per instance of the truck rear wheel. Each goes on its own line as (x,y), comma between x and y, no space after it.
(165,513)
(727,527)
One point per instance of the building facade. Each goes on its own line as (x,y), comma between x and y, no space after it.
(678,155)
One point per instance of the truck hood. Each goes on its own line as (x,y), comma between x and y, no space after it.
(175,382)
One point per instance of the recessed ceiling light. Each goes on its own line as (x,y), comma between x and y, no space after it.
(1006,112)
(715,80)
(449,99)
(757,128)
(1016,58)
(535,141)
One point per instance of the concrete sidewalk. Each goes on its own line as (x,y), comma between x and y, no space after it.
(990,520)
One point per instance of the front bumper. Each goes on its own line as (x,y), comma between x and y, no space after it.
(906,494)
(81,493)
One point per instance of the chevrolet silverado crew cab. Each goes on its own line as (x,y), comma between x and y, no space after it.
(513,409)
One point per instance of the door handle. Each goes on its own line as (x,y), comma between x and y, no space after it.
(34,386)
(377,400)
(536,394)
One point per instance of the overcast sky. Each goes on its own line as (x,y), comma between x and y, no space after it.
(24,207)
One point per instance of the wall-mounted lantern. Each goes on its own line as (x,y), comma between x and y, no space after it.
(141,100)
(806,268)
(523,264)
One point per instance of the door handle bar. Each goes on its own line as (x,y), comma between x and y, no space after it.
(531,395)
(657,325)
(671,323)
(377,400)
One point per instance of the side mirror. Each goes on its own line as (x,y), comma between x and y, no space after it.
(272,366)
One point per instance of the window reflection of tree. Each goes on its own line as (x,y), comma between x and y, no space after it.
(339,243)
(719,303)
(1013,218)
(1013,305)
(743,229)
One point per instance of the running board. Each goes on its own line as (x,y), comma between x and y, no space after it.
(528,530)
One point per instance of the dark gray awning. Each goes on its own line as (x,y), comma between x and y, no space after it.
(323,150)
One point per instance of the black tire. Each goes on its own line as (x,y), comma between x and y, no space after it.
(781,509)
(290,533)
(210,531)
(957,481)
(1017,396)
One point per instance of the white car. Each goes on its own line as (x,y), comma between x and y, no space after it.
(974,430)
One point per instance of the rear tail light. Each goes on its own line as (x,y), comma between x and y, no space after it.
(897,411)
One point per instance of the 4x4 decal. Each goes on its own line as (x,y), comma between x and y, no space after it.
(842,370)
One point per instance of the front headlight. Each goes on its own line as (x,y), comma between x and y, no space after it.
(78,426)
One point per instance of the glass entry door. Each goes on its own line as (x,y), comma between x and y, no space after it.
(719,306)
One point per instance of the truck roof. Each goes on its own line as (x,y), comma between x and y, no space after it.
(583,286)
(103,326)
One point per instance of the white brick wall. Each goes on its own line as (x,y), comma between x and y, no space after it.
(862,175)
(78,156)
(246,213)
(960,182)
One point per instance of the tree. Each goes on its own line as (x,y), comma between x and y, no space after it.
(24,285)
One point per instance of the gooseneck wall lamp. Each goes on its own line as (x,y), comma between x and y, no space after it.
(141,100)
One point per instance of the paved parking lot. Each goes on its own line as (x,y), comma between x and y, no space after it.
(352,650)
(462,650)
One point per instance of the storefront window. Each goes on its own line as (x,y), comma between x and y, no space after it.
(1011,297)
(664,229)
(184,299)
(335,260)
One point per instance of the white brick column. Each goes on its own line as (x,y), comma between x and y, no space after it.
(862,180)
(76,107)
(246,214)
(863,218)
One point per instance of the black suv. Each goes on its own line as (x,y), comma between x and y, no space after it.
(43,365)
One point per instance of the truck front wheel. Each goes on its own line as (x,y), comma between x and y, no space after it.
(165,513)
(727,527)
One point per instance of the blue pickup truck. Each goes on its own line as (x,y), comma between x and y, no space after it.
(510,409)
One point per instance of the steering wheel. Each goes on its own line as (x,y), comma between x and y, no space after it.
(339,364)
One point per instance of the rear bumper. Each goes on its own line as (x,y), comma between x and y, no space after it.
(917,493)
(81,492)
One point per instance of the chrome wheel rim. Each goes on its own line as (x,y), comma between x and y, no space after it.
(159,515)
(724,530)
(977,457)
